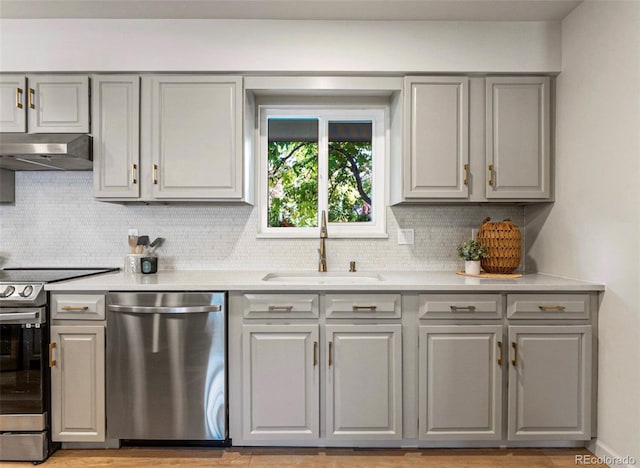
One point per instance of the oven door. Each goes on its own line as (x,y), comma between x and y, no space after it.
(23,355)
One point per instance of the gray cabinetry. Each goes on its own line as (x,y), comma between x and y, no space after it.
(192,136)
(280,375)
(169,137)
(77,361)
(436,142)
(77,383)
(518,137)
(116,132)
(13,108)
(460,382)
(550,382)
(50,103)
(474,139)
(364,382)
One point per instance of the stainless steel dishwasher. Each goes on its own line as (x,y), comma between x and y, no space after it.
(166,366)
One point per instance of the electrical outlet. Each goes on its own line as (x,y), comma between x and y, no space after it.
(405,236)
(132,232)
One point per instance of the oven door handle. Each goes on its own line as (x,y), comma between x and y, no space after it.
(18,317)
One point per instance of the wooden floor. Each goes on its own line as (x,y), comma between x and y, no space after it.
(344,458)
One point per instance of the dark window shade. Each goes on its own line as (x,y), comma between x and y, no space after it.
(293,130)
(350,131)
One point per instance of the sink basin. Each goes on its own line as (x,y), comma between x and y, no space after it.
(323,278)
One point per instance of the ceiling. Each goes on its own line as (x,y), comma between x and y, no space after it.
(434,10)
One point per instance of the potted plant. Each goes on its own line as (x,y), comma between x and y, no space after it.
(471,251)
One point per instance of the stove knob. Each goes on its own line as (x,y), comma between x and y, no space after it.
(8,291)
(26,292)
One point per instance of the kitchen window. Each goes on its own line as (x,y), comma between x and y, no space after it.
(316,159)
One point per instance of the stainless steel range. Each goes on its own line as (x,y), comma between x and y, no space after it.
(24,355)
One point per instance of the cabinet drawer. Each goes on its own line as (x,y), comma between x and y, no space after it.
(548,306)
(363,305)
(460,306)
(280,305)
(77,306)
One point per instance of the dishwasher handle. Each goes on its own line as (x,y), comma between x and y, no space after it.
(165,310)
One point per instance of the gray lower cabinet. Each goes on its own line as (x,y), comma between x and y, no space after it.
(550,382)
(280,374)
(364,382)
(460,382)
(77,357)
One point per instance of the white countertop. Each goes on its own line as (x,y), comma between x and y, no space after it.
(213,280)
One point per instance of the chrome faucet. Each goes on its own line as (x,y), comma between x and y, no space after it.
(322,264)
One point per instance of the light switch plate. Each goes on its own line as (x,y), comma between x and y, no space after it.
(474,233)
(132,232)
(405,236)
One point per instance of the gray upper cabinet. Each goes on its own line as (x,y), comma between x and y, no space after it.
(192,136)
(436,141)
(115,111)
(168,137)
(50,103)
(13,111)
(518,137)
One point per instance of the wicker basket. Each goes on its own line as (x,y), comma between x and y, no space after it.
(504,246)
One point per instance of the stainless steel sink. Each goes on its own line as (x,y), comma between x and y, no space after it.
(323,278)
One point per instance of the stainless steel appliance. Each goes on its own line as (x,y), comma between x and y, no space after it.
(24,371)
(46,152)
(166,366)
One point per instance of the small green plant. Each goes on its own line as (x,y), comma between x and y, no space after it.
(472,250)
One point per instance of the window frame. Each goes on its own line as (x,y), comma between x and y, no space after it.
(379,116)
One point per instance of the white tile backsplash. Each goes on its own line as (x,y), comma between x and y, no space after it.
(56,222)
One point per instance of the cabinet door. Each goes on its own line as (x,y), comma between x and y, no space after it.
(460,387)
(436,162)
(77,384)
(58,103)
(13,110)
(364,382)
(280,382)
(195,141)
(550,382)
(518,137)
(116,143)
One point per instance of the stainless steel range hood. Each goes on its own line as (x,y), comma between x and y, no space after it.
(46,152)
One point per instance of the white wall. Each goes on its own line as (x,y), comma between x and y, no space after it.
(592,232)
(259,45)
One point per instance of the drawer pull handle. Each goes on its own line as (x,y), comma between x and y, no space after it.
(372,308)
(280,308)
(555,307)
(514,361)
(491,174)
(500,355)
(469,308)
(19,98)
(134,174)
(52,362)
(466,174)
(154,174)
(315,353)
(32,98)
(330,353)
(75,308)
